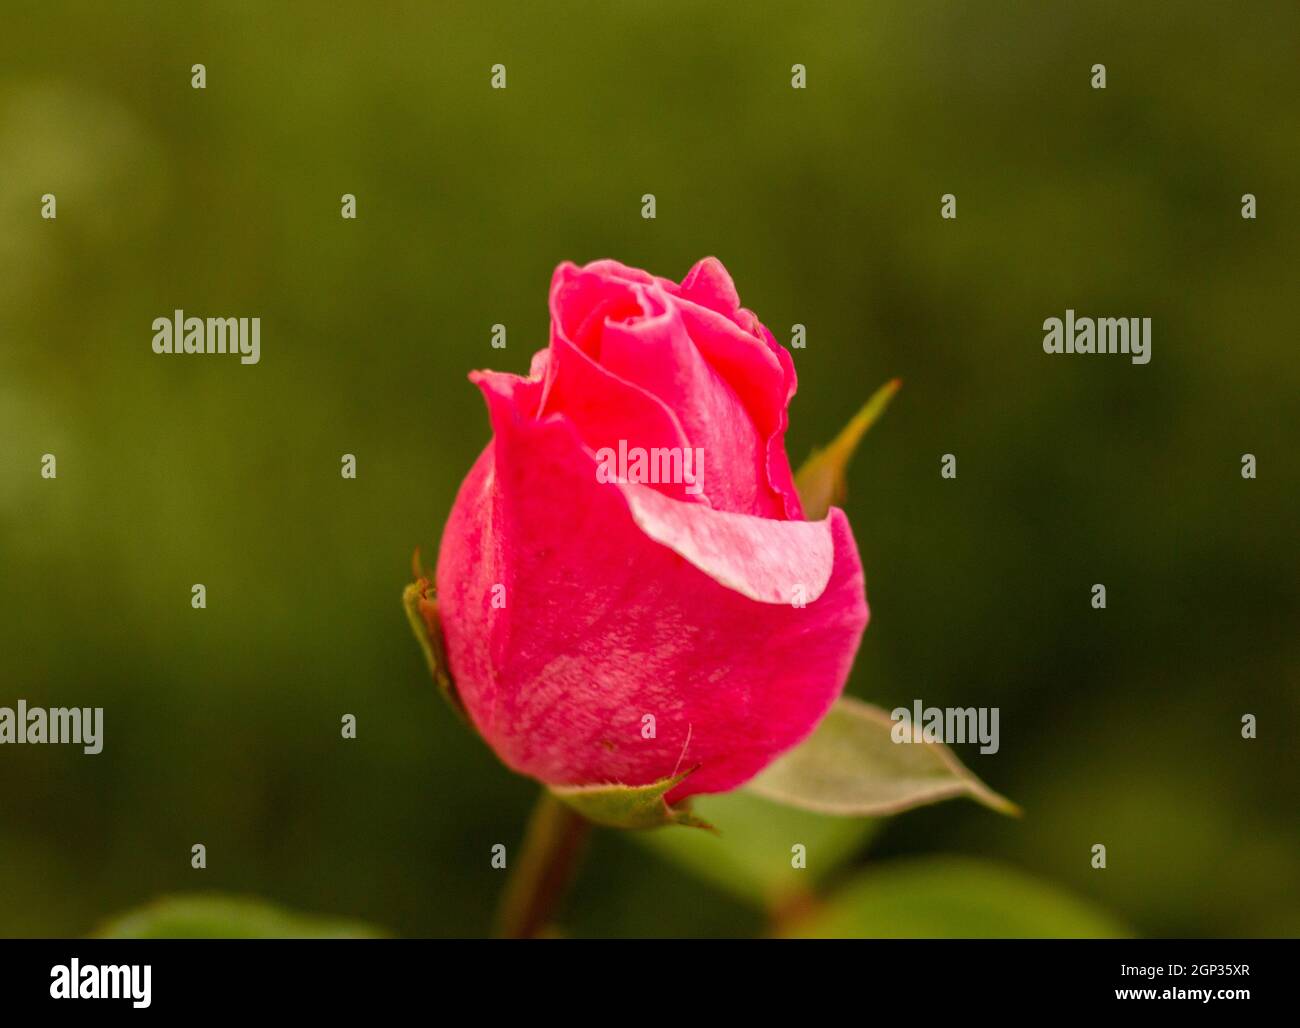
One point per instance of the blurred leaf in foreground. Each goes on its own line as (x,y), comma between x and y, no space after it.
(750,855)
(948,898)
(216,916)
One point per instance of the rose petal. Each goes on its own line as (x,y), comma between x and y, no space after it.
(656,353)
(604,623)
(709,284)
(760,558)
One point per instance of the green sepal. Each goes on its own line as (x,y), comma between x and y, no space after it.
(630,806)
(820,482)
(426,623)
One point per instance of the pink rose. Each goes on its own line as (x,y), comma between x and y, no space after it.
(582,589)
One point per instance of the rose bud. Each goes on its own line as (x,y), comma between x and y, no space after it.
(627,586)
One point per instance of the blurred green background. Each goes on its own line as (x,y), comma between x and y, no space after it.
(222,726)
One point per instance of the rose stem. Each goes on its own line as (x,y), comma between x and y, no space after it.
(552,845)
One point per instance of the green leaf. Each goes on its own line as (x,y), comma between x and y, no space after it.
(851,765)
(749,855)
(820,482)
(422,613)
(216,916)
(629,806)
(952,898)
